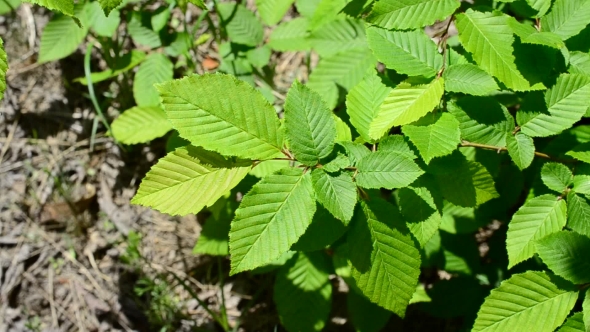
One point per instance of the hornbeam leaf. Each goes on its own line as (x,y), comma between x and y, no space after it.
(563,252)
(434,135)
(406,104)
(567,18)
(537,218)
(420,212)
(521,149)
(290,36)
(529,35)
(141,125)
(391,278)
(531,301)
(272,216)
(337,36)
(395,14)
(156,68)
(309,125)
(574,324)
(337,193)
(578,213)
(407,52)
(579,63)
(384,169)
(187,180)
(109,5)
(65,7)
(221,113)
(489,39)
(61,37)
(541,6)
(469,79)
(586,309)
(581,152)
(241,25)
(272,11)
(556,176)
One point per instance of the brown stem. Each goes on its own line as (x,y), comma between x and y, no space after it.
(499,149)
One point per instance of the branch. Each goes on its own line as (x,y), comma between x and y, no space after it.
(499,149)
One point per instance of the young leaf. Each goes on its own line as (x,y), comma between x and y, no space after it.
(303,292)
(272,11)
(563,252)
(109,5)
(391,278)
(533,301)
(337,36)
(272,216)
(420,213)
(567,18)
(221,113)
(309,125)
(187,180)
(325,11)
(364,101)
(141,125)
(537,218)
(364,314)
(393,14)
(156,68)
(556,176)
(388,170)
(434,135)
(65,7)
(469,79)
(521,149)
(397,143)
(3,69)
(578,213)
(60,38)
(335,193)
(566,101)
(241,25)
(489,39)
(290,36)
(406,104)
(323,231)
(407,52)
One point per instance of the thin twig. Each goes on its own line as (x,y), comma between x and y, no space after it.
(499,149)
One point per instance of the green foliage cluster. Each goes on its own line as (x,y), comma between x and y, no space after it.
(398,148)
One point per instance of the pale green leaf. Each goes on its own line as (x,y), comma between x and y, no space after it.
(306,7)
(109,5)
(221,113)
(563,253)
(60,38)
(420,212)
(241,25)
(537,218)
(198,3)
(125,63)
(469,79)
(407,52)
(140,30)
(269,167)
(581,152)
(343,132)
(521,149)
(365,315)
(160,17)
(395,14)
(530,301)
(405,104)
(326,11)
(8,6)
(578,213)
(489,39)
(392,275)
(581,184)
(65,7)
(309,125)
(566,102)
(579,63)
(141,125)
(567,18)
(303,292)
(342,71)
(3,69)
(272,11)
(556,176)
(259,57)
(573,324)
(272,216)
(104,26)
(383,169)
(156,68)
(529,35)
(290,36)
(420,295)
(337,36)
(397,143)
(323,231)
(541,6)
(356,151)
(187,180)
(337,193)
(434,135)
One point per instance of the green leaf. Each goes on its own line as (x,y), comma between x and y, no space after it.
(489,39)
(567,18)
(125,63)
(363,103)
(397,143)
(259,57)
(573,324)
(420,212)
(140,30)
(323,231)
(343,132)
(530,301)
(290,36)
(336,193)
(521,149)
(407,52)
(537,218)
(104,26)
(578,213)
(391,278)
(221,113)
(65,7)
(272,216)
(469,79)
(214,237)
(3,69)
(529,35)
(141,125)
(60,38)
(187,180)
(434,135)
(581,152)
(556,176)
(306,7)
(156,68)
(581,184)
(159,19)
(586,309)
(483,120)
(579,63)
(198,3)
(356,151)
(340,162)
(241,25)
(364,314)
(393,14)
(337,36)
(388,170)
(420,295)
(109,5)
(272,11)
(541,6)
(8,6)
(303,292)
(563,252)
(405,104)
(343,70)
(309,125)
(326,11)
